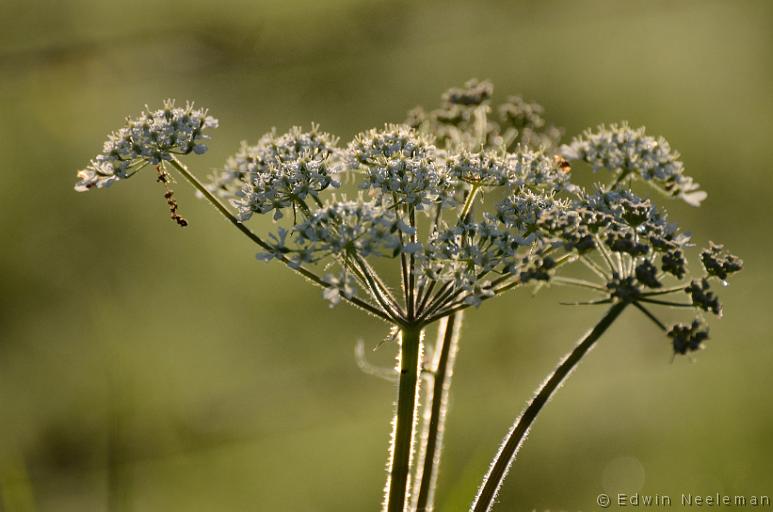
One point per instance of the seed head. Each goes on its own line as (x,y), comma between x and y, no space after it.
(473,93)
(702,296)
(688,338)
(718,262)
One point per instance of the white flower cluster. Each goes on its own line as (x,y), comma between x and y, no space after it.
(522,170)
(524,211)
(630,152)
(347,229)
(486,168)
(468,252)
(401,165)
(229,181)
(150,138)
(280,172)
(538,170)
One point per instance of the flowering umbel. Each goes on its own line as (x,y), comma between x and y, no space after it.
(630,152)
(419,191)
(148,139)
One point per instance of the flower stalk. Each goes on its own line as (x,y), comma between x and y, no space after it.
(405,419)
(436,411)
(492,482)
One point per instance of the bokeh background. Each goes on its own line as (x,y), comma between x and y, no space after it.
(148,368)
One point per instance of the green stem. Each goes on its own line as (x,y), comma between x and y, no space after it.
(411,300)
(468,202)
(501,464)
(219,206)
(570,281)
(266,246)
(444,292)
(405,420)
(435,417)
(378,289)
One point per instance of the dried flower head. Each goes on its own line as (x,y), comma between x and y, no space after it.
(522,122)
(718,262)
(463,121)
(473,93)
(630,245)
(688,338)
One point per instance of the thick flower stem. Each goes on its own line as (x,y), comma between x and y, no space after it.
(435,416)
(405,419)
(512,442)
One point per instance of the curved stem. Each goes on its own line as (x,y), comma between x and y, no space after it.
(404,421)
(263,244)
(501,464)
(435,415)
(219,205)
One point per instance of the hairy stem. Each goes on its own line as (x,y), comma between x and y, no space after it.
(435,415)
(378,288)
(404,421)
(411,300)
(501,464)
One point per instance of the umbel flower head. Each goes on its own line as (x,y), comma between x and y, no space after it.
(400,165)
(637,256)
(630,153)
(152,137)
(464,203)
(280,171)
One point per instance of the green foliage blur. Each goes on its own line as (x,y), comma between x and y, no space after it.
(146,367)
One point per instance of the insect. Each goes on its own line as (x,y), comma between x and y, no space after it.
(563,164)
(165,179)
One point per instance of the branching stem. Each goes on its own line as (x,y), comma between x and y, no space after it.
(308,274)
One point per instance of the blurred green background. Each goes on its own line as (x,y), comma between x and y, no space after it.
(148,368)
